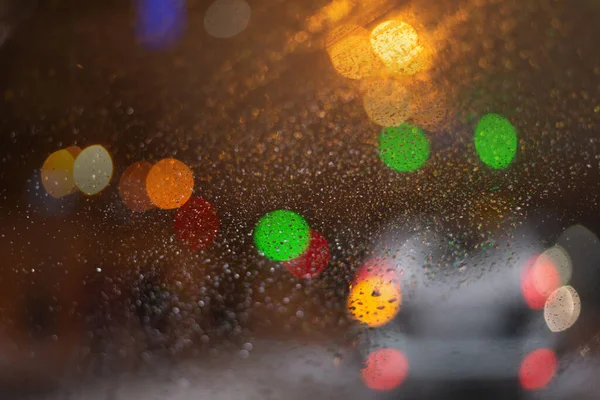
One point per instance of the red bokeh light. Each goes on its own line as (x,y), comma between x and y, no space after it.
(377,267)
(313,261)
(384,369)
(537,369)
(196,223)
(538,280)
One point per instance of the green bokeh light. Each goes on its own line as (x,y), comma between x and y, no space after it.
(495,141)
(282,235)
(403,148)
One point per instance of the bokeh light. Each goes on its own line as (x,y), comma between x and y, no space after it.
(74,150)
(561,260)
(169,183)
(495,141)
(403,148)
(374,301)
(196,223)
(57,174)
(384,369)
(387,102)
(562,309)
(92,169)
(313,261)
(539,279)
(397,44)
(377,268)
(282,235)
(537,369)
(132,187)
(351,53)
(160,23)
(227,18)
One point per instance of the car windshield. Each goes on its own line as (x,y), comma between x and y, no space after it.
(329,199)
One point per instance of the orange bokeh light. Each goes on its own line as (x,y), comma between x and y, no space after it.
(538,369)
(538,280)
(132,187)
(384,369)
(169,183)
(374,301)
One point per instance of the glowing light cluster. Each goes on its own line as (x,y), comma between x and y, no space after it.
(227,18)
(169,183)
(495,141)
(384,369)
(66,170)
(356,54)
(403,148)
(544,286)
(563,305)
(284,235)
(538,280)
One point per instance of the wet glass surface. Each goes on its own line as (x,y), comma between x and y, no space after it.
(293,199)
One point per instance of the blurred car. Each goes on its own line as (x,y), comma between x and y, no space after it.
(464,333)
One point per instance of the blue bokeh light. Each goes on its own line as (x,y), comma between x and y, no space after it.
(160,23)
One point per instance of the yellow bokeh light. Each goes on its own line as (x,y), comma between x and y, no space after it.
(562,309)
(387,102)
(351,53)
(398,45)
(374,301)
(93,169)
(57,174)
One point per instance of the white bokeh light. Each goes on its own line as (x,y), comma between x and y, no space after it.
(562,309)
(93,169)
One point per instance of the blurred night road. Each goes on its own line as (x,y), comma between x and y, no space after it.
(332,199)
